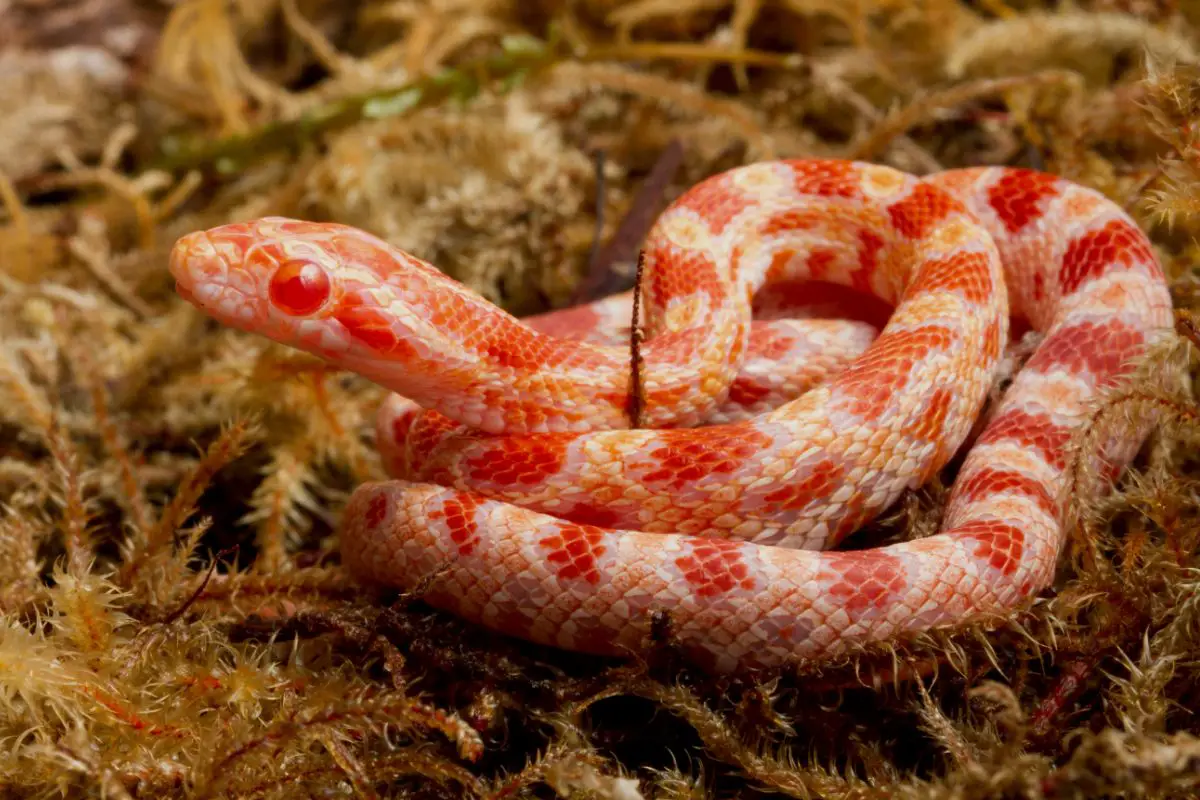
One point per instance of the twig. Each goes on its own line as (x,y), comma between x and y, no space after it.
(683,51)
(101,269)
(842,90)
(598,159)
(195,595)
(601,279)
(895,124)
(636,401)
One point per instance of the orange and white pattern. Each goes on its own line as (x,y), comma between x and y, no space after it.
(766,437)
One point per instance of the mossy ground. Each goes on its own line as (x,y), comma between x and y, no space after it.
(174,620)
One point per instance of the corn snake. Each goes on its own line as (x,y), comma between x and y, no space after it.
(766,439)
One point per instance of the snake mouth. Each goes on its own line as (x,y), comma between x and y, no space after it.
(183,291)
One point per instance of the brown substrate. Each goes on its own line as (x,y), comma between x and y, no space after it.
(140,444)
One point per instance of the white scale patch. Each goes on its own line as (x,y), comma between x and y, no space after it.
(764,179)
(882,183)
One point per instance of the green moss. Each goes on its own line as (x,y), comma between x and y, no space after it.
(174,619)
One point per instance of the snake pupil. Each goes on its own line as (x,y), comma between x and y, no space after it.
(300,287)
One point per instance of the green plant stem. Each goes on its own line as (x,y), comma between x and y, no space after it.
(228,156)
(519,58)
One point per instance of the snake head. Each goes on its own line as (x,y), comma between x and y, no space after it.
(272,276)
(320,287)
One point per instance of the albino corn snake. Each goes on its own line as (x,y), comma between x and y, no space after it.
(517,473)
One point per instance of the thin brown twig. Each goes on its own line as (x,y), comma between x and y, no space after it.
(598,160)
(898,122)
(631,230)
(199,590)
(636,398)
(101,269)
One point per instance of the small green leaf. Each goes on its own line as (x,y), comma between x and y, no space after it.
(392,105)
(521,43)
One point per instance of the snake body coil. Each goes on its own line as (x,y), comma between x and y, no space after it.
(769,435)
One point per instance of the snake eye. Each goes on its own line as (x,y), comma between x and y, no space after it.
(300,287)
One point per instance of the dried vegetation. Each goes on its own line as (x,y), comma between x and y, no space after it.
(173,621)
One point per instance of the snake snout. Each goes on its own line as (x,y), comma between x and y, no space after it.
(193,257)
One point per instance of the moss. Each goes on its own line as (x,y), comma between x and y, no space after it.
(174,619)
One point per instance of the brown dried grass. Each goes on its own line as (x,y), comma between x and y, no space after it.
(174,622)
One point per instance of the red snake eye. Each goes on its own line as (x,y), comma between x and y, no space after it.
(300,287)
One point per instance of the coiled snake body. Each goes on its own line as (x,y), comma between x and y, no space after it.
(764,440)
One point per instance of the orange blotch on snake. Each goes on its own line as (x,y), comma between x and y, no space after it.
(769,343)
(827,179)
(376,511)
(792,219)
(717,202)
(916,215)
(1030,430)
(746,391)
(524,460)
(964,272)
(778,270)
(688,273)
(819,262)
(991,339)
(822,479)
(1118,244)
(689,455)
(1017,197)
(930,426)
(518,348)
(372,327)
(869,246)
(422,438)
(1039,286)
(1103,349)
(989,480)
(865,580)
(402,424)
(575,550)
(458,515)
(870,383)
(715,567)
(300,287)
(680,348)
(1000,545)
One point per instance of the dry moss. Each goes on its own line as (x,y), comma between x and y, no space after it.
(174,619)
